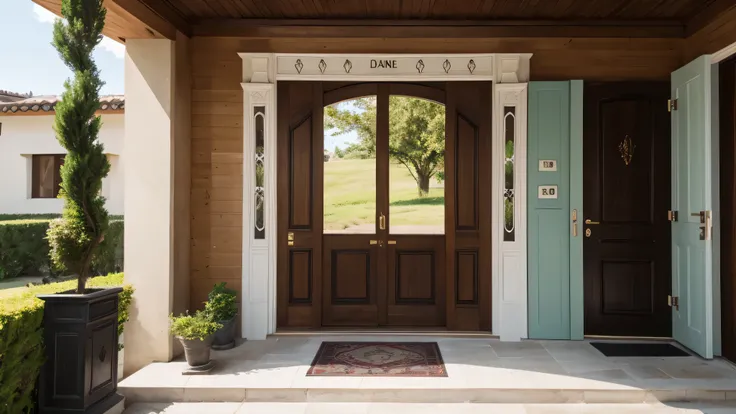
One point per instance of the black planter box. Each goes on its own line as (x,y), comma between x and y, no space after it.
(80,333)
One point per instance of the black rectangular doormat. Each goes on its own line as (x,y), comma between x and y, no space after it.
(629,349)
(378,359)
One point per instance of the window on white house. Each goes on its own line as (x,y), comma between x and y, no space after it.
(46,175)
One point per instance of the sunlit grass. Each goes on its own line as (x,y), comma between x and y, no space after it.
(350,196)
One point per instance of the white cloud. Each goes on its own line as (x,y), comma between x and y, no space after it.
(45,16)
(117,49)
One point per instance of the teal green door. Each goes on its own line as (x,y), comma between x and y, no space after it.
(549,217)
(692,198)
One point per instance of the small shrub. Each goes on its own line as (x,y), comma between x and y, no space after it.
(21,339)
(220,305)
(197,326)
(109,255)
(23,248)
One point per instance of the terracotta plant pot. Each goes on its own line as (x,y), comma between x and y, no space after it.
(225,336)
(197,351)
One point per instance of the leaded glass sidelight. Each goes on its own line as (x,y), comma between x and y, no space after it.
(509,133)
(259,115)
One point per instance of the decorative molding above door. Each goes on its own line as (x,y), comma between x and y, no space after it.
(381,67)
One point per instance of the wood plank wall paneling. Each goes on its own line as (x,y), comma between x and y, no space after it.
(217,172)
(217,117)
(716,35)
(602,59)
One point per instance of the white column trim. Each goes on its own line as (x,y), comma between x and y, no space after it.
(509,259)
(258,316)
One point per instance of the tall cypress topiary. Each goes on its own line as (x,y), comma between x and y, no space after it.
(76,236)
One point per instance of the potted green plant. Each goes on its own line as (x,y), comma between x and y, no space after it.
(221,307)
(195,332)
(86,319)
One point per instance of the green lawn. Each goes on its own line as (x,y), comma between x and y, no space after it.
(350,197)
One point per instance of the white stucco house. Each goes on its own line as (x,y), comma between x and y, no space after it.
(30,155)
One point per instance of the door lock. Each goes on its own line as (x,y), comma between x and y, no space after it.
(378,243)
(588,232)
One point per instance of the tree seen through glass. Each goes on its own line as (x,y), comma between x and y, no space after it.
(416,170)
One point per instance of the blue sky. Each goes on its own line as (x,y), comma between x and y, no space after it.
(30,62)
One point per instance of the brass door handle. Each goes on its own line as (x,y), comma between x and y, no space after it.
(290,238)
(382,222)
(589,221)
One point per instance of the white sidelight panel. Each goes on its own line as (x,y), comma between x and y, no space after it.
(509,261)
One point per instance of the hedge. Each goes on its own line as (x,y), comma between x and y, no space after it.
(24,250)
(21,339)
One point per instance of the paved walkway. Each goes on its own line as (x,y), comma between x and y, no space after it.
(480,370)
(362,408)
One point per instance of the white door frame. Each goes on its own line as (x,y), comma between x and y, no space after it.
(261,73)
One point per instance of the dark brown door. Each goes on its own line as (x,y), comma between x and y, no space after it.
(727,103)
(468,215)
(626,249)
(374,276)
(379,275)
(299,233)
(416,278)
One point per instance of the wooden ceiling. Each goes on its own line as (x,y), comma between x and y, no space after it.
(677,10)
(131,19)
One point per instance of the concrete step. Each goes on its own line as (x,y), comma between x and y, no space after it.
(405,408)
(423,395)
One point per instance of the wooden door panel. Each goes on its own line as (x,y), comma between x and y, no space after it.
(300,180)
(468,210)
(299,139)
(466,177)
(466,277)
(627,287)
(626,190)
(626,195)
(350,276)
(416,281)
(349,285)
(300,276)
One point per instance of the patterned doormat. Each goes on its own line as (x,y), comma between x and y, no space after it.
(378,359)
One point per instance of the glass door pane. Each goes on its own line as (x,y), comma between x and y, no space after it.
(350,167)
(416,169)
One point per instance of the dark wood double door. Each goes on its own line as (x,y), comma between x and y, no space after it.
(627,235)
(376,278)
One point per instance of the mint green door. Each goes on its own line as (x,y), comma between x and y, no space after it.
(692,198)
(549,217)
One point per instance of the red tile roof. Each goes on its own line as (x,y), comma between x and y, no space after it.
(47,103)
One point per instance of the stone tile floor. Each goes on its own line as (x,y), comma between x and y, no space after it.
(573,370)
(398,408)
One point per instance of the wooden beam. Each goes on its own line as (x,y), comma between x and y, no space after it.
(165,11)
(297,28)
(136,10)
(708,15)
